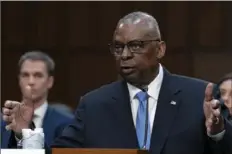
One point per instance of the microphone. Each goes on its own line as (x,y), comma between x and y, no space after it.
(144,89)
(217,95)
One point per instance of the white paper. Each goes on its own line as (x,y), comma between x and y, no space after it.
(22,151)
(33,139)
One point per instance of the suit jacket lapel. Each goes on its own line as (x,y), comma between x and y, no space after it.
(121,104)
(167,108)
(5,136)
(48,125)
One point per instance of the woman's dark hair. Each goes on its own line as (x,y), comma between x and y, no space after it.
(224,78)
(217,93)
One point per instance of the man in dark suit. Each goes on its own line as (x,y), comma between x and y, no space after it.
(149,108)
(36,73)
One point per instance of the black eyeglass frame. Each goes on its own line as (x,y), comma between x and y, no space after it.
(129,45)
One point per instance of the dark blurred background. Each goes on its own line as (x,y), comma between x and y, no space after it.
(76,34)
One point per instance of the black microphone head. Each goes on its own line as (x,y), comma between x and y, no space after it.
(144,89)
(216,92)
(217,95)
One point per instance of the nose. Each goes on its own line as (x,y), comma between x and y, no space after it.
(31,80)
(126,53)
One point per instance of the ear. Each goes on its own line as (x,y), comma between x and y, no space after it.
(161,50)
(50,82)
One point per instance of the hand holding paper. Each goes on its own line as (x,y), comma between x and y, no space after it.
(18,115)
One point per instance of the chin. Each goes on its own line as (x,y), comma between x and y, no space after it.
(33,98)
(131,78)
(135,80)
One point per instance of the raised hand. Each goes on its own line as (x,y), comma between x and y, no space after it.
(214,121)
(18,115)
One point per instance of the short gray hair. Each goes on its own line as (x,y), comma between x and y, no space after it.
(150,21)
(41,56)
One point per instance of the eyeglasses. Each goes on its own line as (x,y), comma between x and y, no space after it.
(135,46)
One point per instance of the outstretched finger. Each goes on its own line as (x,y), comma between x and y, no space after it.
(209,92)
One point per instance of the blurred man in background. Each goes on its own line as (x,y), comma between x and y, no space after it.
(35,79)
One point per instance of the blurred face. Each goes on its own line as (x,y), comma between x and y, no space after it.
(226,93)
(34,73)
(136,53)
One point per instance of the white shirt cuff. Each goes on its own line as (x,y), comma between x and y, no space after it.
(217,137)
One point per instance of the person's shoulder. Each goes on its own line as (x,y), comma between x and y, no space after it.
(192,88)
(190,84)
(57,120)
(104,90)
(60,116)
(189,80)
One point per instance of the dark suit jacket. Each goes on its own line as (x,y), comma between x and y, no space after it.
(104,120)
(53,124)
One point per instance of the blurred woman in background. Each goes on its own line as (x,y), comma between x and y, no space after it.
(225,87)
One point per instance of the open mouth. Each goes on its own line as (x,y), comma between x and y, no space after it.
(127,69)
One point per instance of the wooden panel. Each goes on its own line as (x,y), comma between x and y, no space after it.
(210,24)
(107,19)
(13,23)
(51,24)
(59,91)
(9,80)
(177,13)
(228,24)
(211,66)
(88,71)
(31,26)
(81,29)
(178,63)
(146,6)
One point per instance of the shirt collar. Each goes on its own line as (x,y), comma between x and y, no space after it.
(41,110)
(153,87)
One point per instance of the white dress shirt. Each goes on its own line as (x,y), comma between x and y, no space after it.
(39,114)
(153,92)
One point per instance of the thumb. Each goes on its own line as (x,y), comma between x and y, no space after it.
(209,92)
(29,101)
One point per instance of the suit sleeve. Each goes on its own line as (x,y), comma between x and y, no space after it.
(226,142)
(8,140)
(12,143)
(223,146)
(73,135)
(59,129)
